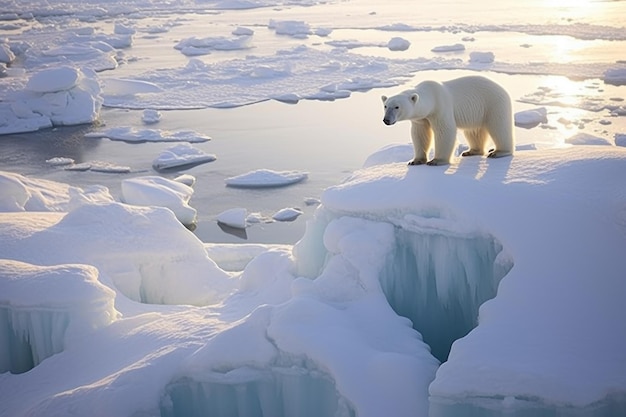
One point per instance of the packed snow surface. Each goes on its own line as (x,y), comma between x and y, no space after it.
(486,287)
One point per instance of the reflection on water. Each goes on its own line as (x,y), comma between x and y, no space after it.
(33,149)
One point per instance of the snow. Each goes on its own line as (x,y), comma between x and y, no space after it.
(134,135)
(486,287)
(531,118)
(398,44)
(52,97)
(235,217)
(181,155)
(264,178)
(161,192)
(287,214)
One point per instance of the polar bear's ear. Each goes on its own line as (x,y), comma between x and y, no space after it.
(384,98)
(414,98)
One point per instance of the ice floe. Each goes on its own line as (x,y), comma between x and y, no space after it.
(181,155)
(264,178)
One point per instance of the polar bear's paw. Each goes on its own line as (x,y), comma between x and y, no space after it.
(498,154)
(435,162)
(417,162)
(472,152)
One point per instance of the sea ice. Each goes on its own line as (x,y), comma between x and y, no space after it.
(181,155)
(398,44)
(150,116)
(235,217)
(482,57)
(531,118)
(583,138)
(44,307)
(287,214)
(457,47)
(161,192)
(131,134)
(264,178)
(52,97)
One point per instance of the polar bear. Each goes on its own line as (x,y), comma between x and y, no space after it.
(475,104)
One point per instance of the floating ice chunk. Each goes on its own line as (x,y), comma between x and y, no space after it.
(287,214)
(160,192)
(457,47)
(130,134)
(59,161)
(42,307)
(57,96)
(323,32)
(199,46)
(181,155)
(481,57)
(398,44)
(531,118)
(294,28)
(108,167)
(263,178)
(235,217)
(83,166)
(615,76)
(241,31)
(398,27)
(583,138)
(150,116)
(312,201)
(97,55)
(118,86)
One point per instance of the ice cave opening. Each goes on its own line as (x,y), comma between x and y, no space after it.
(438,279)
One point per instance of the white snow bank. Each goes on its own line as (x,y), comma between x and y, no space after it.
(147,254)
(133,135)
(68,298)
(160,192)
(51,97)
(532,203)
(20,193)
(181,155)
(263,178)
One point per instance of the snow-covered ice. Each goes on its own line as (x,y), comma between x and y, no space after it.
(181,155)
(264,178)
(158,191)
(131,134)
(487,287)
(235,217)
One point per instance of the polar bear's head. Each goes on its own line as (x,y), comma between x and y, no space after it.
(399,107)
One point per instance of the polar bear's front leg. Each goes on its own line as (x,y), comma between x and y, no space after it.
(422,137)
(445,139)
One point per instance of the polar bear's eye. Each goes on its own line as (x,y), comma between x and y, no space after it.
(397,107)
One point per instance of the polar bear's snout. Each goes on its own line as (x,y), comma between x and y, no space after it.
(390,117)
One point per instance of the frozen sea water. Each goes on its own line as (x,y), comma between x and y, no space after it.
(198,64)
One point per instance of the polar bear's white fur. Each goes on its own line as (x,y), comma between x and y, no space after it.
(475,104)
